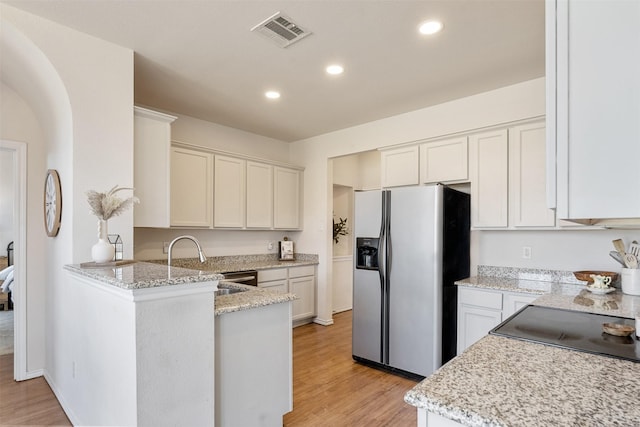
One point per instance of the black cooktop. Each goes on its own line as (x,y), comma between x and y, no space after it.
(574,330)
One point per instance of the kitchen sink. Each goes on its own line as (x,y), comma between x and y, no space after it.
(227,290)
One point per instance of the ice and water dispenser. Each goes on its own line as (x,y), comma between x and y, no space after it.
(367,253)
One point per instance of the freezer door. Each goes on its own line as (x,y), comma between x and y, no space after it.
(415,279)
(367,289)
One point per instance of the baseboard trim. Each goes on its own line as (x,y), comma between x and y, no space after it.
(63,403)
(323,322)
(29,375)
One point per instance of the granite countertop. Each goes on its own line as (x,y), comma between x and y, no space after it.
(505,382)
(500,381)
(227,264)
(253,297)
(142,275)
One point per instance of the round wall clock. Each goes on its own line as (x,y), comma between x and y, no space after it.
(52,203)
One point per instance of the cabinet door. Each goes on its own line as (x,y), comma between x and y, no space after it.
(527,177)
(286,204)
(229,192)
(259,195)
(474,323)
(488,156)
(444,161)
(514,302)
(400,167)
(304,288)
(152,165)
(597,93)
(191,192)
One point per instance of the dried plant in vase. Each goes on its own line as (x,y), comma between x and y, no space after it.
(105,206)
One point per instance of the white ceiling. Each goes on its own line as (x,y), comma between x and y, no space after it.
(199,58)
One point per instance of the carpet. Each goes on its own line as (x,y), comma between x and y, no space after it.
(6,332)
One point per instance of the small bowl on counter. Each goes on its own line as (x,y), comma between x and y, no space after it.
(617,329)
(585,276)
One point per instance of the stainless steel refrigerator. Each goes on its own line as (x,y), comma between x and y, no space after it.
(411,244)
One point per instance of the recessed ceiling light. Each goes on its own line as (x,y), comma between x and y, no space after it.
(335,69)
(430,27)
(272,94)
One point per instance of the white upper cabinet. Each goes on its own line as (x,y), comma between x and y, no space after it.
(400,166)
(527,189)
(191,188)
(259,195)
(229,192)
(488,156)
(286,189)
(508,178)
(444,161)
(593,93)
(152,158)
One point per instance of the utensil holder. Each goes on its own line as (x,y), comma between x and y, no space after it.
(630,279)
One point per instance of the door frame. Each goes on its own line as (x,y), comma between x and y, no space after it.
(20,256)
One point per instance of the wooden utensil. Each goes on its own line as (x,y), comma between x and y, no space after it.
(634,248)
(619,245)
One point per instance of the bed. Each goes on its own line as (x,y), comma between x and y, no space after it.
(6,279)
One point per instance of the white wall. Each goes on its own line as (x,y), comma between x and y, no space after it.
(6,198)
(570,250)
(81,92)
(199,132)
(507,104)
(148,242)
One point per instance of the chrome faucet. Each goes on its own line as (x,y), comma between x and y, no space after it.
(194,240)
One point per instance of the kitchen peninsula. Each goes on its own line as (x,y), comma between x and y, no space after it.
(143,348)
(501,381)
(136,349)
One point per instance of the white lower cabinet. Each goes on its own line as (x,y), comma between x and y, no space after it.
(481,310)
(274,280)
(300,281)
(514,302)
(253,366)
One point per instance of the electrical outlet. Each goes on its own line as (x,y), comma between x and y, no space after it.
(526,252)
(270,246)
(165,247)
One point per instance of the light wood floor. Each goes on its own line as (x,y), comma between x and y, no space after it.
(329,388)
(28,402)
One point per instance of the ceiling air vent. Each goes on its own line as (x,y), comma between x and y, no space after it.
(281,29)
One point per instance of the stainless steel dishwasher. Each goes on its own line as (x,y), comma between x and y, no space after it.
(248,277)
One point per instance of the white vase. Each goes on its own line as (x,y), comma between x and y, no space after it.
(103,251)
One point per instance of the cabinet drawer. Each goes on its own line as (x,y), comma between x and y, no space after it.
(307,270)
(486,299)
(275,285)
(273,274)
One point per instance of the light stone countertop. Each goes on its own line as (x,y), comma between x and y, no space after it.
(227,264)
(500,381)
(142,275)
(254,297)
(506,382)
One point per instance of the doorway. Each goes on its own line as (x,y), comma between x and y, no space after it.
(351,173)
(13,203)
